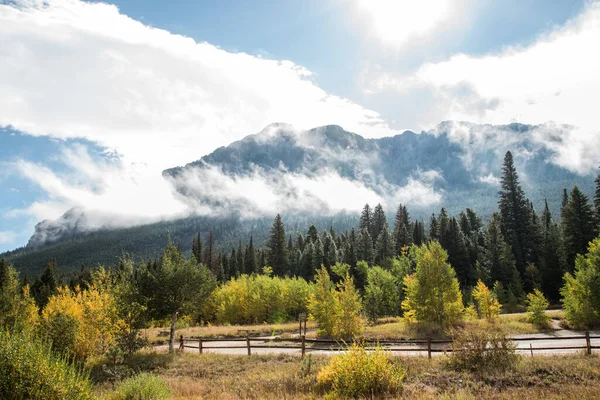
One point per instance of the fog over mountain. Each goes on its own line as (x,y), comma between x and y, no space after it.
(327,171)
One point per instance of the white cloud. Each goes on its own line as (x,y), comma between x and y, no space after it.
(490,179)
(76,69)
(554,79)
(264,192)
(116,194)
(72,69)
(7,237)
(396,22)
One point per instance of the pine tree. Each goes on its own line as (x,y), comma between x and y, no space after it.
(318,254)
(366,219)
(563,204)
(384,247)
(208,255)
(434,229)
(234,269)
(308,269)
(312,234)
(497,256)
(47,284)
(597,203)
(365,247)
(350,249)
(443,223)
(578,225)
(226,266)
(419,233)
(277,248)
(197,249)
(379,222)
(457,254)
(329,251)
(240,259)
(552,257)
(402,234)
(300,242)
(250,258)
(515,212)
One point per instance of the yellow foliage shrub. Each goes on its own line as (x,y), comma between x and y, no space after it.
(359,373)
(90,317)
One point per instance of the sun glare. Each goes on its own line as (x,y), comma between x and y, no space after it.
(395,21)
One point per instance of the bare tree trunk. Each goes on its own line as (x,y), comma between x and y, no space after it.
(172,334)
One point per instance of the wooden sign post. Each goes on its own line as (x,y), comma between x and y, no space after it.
(302,318)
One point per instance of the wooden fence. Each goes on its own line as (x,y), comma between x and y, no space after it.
(417,345)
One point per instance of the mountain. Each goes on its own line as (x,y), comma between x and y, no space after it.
(322,176)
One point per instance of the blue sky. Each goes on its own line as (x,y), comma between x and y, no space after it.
(98,98)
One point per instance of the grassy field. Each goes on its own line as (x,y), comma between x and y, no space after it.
(387,328)
(211,376)
(217,331)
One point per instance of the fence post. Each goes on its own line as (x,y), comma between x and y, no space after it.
(531,349)
(181,343)
(588,343)
(303,345)
(429,347)
(248,344)
(305,327)
(200,345)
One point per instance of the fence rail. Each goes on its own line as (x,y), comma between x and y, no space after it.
(392,345)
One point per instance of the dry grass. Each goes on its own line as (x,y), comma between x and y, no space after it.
(387,328)
(212,376)
(396,328)
(223,331)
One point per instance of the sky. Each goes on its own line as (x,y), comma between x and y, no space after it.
(97,98)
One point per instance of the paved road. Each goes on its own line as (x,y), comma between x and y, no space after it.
(225,347)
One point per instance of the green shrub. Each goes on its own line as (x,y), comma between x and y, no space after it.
(337,312)
(536,309)
(142,387)
(30,370)
(358,373)
(581,291)
(482,350)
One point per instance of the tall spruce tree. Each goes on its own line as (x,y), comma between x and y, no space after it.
(578,225)
(365,247)
(597,202)
(277,248)
(552,257)
(457,254)
(563,203)
(47,284)
(240,259)
(419,233)
(312,234)
(318,254)
(497,256)
(434,228)
(329,251)
(379,222)
(250,258)
(402,235)
(209,256)
(350,249)
(384,247)
(366,219)
(308,268)
(515,212)
(197,249)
